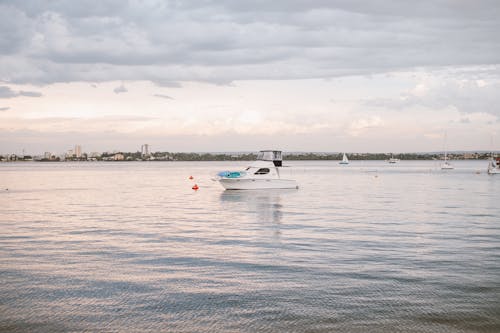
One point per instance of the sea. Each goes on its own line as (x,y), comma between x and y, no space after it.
(131,247)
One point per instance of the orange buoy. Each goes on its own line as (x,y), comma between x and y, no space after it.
(190,177)
(195,187)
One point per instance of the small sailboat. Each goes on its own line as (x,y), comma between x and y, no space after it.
(494,166)
(344,160)
(446,165)
(494,162)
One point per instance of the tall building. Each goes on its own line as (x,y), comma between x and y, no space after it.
(78,151)
(145,149)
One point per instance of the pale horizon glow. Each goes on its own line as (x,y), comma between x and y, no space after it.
(251,79)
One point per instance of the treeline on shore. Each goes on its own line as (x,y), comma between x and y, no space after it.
(161,156)
(169,156)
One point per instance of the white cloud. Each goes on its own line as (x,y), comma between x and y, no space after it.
(359,126)
(438,91)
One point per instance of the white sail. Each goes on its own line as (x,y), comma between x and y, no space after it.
(493,166)
(446,165)
(494,162)
(344,160)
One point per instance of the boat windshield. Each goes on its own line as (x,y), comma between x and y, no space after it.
(269,155)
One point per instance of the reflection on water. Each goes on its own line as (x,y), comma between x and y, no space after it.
(266,204)
(122,247)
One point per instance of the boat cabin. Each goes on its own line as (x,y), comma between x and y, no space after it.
(270,155)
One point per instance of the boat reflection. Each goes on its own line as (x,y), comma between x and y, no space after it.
(265,204)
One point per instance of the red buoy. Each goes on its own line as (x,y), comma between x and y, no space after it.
(195,187)
(191,177)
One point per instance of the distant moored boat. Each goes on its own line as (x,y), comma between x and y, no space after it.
(393,160)
(344,160)
(494,166)
(446,165)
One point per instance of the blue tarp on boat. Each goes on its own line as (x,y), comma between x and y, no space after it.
(231,174)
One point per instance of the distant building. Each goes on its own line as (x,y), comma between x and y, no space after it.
(145,150)
(469,156)
(47,155)
(78,151)
(118,157)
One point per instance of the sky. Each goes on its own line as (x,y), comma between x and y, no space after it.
(322,76)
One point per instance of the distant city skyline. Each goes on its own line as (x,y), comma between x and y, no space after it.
(146,151)
(203,76)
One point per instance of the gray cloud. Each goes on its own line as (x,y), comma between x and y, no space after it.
(222,41)
(6,92)
(163,96)
(166,83)
(30,93)
(120,89)
(5,108)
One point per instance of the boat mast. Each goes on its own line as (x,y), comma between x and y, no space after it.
(444,148)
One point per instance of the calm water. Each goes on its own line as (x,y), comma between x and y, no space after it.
(130,247)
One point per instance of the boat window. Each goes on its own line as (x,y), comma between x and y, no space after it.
(262,171)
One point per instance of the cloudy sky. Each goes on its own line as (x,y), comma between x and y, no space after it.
(346,75)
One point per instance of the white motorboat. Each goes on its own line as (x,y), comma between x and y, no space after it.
(264,173)
(494,166)
(344,160)
(393,160)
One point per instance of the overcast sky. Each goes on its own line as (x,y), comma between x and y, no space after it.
(354,76)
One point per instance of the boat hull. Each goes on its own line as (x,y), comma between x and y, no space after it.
(494,171)
(257,184)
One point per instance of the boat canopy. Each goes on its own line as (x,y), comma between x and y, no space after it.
(270,155)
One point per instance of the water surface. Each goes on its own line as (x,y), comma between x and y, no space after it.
(130,247)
